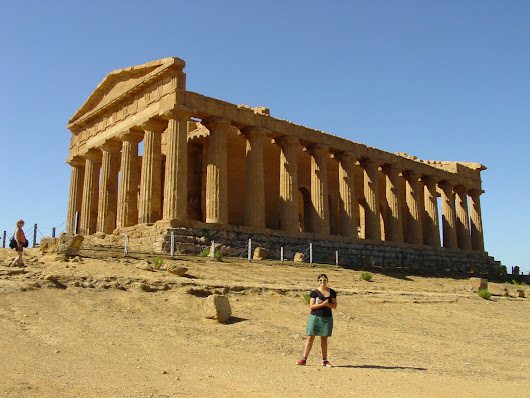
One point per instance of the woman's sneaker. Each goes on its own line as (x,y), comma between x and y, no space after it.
(301,362)
(327,364)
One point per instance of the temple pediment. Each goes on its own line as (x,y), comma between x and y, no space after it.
(117,84)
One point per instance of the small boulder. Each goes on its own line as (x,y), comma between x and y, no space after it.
(520,293)
(217,307)
(48,245)
(299,258)
(180,271)
(69,244)
(497,289)
(478,284)
(260,253)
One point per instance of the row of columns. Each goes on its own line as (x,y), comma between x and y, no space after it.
(106,205)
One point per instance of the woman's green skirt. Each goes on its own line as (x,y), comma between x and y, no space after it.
(319,325)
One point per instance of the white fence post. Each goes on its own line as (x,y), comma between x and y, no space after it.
(311,253)
(172,243)
(213,250)
(250,250)
(336,257)
(126,247)
(281,253)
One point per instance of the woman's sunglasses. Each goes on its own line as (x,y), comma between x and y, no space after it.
(322,280)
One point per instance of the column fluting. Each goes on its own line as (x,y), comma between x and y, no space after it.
(89,207)
(216,170)
(448,215)
(414,221)
(75,197)
(289,212)
(431,230)
(150,204)
(319,188)
(372,212)
(108,189)
(462,218)
(477,235)
(255,177)
(394,227)
(347,200)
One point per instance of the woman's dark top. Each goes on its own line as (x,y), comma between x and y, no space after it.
(324,311)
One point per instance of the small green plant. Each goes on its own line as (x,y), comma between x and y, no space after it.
(366,276)
(218,255)
(484,293)
(307,297)
(157,262)
(205,252)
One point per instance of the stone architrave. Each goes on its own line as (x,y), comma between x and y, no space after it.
(76,192)
(255,177)
(176,173)
(129,179)
(150,204)
(414,222)
(319,188)
(289,147)
(431,232)
(89,207)
(448,215)
(477,236)
(108,189)
(394,230)
(216,170)
(347,215)
(371,195)
(462,218)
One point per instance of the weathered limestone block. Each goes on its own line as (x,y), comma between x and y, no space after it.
(217,307)
(299,258)
(260,253)
(520,293)
(497,289)
(69,244)
(180,271)
(48,245)
(478,283)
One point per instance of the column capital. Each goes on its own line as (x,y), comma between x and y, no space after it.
(94,155)
(389,167)
(110,146)
(179,112)
(131,135)
(344,156)
(446,184)
(475,192)
(216,122)
(369,162)
(411,175)
(427,180)
(155,125)
(287,140)
(461,189)
(255,131)
(317,149)
(76,161)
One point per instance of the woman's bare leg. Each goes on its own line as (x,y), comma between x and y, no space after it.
(308,345)
(324,346)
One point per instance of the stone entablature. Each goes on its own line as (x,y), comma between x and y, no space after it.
(215,162)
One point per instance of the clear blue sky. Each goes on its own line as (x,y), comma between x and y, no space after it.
(441,80)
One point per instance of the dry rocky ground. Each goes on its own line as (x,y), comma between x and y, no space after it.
(109,328)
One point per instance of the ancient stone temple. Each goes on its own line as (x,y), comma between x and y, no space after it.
(144,150)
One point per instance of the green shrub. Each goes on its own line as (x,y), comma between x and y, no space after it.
(218,255)
(366,276)
(307,297)
(205,252)
(484,293)
(157,262)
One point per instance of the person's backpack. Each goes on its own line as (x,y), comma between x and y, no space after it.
(12,242)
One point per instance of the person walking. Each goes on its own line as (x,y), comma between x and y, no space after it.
(320,322)
(22,242)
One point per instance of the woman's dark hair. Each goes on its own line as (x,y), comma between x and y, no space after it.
(322,276)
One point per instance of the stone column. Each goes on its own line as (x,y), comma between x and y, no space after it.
(255,178)
(462,218)
(150,204)
(289,212)
(431,232)
(129,179)
(89,207)
(477,236)
(108,188)
(394,230)
(371,196)
(319,188)
(216,170)
(76,192)
(414,227)
(347,216)
(448,215)
(176,174)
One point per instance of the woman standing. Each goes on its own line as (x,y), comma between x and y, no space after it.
(320,322)
(21,244)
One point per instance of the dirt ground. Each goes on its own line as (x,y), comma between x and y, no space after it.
(108,328)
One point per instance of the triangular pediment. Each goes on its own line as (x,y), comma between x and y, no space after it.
(119,82)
